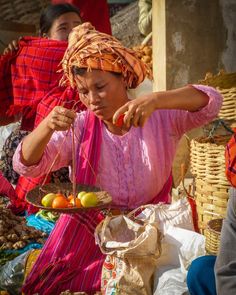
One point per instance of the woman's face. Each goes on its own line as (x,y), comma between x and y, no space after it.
(63,25)
(102,92)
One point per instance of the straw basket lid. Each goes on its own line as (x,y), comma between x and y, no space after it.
(222,80)
(35,196)
(225,83)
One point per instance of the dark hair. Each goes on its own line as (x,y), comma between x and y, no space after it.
(51,13)
(78,71)
(81,71)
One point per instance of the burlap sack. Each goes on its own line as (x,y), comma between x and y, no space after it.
(132,247)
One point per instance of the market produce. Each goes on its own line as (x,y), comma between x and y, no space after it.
(60,201)
(80,194)
(89,200)
(14,232)
(144,52)
(83,199)
(76,203)
(48,199)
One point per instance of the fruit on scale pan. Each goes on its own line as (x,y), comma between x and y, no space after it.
(48,199)
(89,199)
(58,200)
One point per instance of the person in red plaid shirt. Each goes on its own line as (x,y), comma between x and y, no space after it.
(33,65)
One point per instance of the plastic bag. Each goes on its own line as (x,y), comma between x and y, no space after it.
(12,274)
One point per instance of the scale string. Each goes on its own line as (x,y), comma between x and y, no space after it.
(73,166)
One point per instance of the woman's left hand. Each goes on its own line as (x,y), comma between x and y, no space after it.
(137,111)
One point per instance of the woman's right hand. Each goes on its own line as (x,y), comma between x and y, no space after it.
(60,118)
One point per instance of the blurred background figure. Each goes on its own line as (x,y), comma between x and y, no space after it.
(96,12)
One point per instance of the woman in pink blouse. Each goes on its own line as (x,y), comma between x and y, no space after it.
(132,158)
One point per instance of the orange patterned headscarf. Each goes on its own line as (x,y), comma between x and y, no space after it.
(91,49)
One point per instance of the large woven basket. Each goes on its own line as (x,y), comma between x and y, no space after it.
(211,185)
(211,202)
(212,234)
(225,83)
(207,156)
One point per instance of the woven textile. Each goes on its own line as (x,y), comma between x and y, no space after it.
(91,49)
(29,74)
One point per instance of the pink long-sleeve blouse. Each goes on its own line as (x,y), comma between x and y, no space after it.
(134,167)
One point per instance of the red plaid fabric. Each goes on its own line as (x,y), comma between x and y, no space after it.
(29,74)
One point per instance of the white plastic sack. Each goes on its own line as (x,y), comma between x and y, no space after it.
(178,214)
(179,248)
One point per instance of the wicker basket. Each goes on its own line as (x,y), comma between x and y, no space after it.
(207,156)
(212,234)
(225,83)
(211,202)
(211,185)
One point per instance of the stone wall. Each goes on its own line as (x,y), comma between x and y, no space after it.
(200,38)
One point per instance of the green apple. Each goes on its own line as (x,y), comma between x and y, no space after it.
(80,194)
(89,200)
(48,199)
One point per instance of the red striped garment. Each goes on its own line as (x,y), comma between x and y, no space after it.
(230,160)
(70,259)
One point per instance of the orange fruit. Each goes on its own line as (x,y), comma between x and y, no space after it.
(60,202)
(60,195)
(76,203)
(70,197)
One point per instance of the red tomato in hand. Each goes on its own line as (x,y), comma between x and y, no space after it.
(120,120)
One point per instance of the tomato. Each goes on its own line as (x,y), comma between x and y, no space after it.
(60,202)
(120,120)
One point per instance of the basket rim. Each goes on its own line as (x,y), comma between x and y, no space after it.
(213,221)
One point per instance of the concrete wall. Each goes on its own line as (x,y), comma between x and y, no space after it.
(200,37)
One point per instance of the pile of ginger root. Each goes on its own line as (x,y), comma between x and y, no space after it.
(15,233)
(144,52)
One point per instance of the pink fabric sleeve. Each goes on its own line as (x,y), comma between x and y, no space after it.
(57,143)
(60,144)
(183,121)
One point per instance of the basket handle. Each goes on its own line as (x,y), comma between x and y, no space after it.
(183,171)
(217,124)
